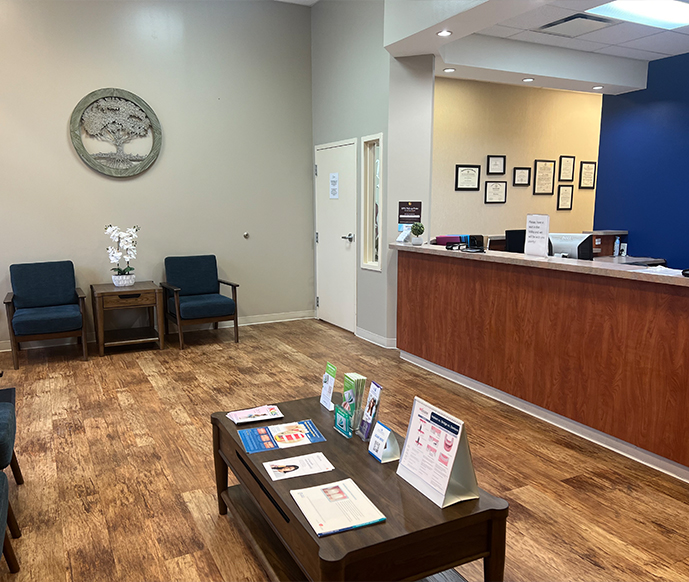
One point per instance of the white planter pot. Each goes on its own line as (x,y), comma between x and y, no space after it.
(123,280)
(417,240)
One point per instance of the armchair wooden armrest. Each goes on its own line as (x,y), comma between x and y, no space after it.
(9,298)
(80,293)
(169,287)
(230,283)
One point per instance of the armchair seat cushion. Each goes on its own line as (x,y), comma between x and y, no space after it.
(39,320)
(8,428)
(201,306)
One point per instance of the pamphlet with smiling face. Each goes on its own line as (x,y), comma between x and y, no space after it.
(298,466)
(370,412)
(336,507)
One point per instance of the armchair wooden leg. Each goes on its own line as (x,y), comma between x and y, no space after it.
(215,325)
(84,345)
(181,335)
(236,329)
(15,354)
(8,552)
(12,522)
(16,471)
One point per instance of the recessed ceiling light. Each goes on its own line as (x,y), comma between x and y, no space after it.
(598,87)
(449,70)
(528,80)
(666,14)
(444,33)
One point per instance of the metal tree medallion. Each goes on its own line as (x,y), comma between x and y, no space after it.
(116,117)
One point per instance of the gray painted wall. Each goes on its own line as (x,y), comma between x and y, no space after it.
(350,70)
(231,85)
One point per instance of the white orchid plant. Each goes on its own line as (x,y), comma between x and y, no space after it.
(124,247)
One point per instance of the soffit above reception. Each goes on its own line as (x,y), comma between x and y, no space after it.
(552,25)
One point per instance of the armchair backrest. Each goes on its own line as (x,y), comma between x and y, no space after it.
(196,275)
(43,284)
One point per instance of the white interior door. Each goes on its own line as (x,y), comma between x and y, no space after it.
(336,254)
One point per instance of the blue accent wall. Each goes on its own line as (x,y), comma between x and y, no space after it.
(643,164)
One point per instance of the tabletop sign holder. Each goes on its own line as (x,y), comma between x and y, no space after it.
(328,386)
(436,459)
(383,446)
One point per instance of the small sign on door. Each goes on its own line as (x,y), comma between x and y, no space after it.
(334,186)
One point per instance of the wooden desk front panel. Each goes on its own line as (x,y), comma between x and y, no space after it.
(612,354)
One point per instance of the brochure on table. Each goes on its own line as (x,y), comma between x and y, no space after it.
(383,445)
(328,386)
(353,396)
(336,507)
(436,458)
(298,466)
(280,436)
(269,412)
(370,411)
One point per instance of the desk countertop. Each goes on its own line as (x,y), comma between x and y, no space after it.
(597,268)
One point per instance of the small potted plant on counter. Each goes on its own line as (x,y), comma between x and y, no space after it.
(416,232)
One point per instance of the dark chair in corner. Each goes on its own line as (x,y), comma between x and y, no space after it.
(192,294)
(44,303)
(7,550)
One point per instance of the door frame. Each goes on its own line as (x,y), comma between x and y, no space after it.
(325,146)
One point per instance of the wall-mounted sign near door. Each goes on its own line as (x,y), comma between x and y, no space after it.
(124,122)
(409,212)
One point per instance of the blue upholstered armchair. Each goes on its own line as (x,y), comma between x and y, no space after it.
(44,303)
(192,294)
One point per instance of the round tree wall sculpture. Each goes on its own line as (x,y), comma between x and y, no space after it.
(115,117)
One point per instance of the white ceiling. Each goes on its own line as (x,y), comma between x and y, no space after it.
(621,39)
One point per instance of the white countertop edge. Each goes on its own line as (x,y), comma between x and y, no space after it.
(630,272)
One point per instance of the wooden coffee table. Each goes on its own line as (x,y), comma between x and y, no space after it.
(417,539)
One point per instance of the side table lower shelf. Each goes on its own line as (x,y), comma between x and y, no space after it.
(125,337)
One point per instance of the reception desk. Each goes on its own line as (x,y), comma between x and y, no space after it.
(599,343)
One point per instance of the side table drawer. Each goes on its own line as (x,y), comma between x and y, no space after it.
(129,299)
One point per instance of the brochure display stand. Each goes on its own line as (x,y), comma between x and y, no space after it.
(436,457)
(370,412)
(383,445)
(328,386)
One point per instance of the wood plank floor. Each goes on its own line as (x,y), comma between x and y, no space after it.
(116,455)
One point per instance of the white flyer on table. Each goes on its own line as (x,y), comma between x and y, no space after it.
(298,466)
(336,507)
(269,412)
(431,445)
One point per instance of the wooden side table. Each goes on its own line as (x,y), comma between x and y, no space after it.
(106,297)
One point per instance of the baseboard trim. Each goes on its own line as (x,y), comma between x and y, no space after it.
(5,345)
(384,342)
(609,442)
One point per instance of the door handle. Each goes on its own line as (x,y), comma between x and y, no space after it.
(349,237)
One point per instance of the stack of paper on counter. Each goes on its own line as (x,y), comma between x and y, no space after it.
(336,507)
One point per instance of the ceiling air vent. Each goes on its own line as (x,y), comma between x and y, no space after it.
(576,25)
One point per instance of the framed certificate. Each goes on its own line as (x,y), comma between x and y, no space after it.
(564,197)
(521,177)
(496,165)
(566,169)
(467,177)
(544,177)
(496,193)
(587,175)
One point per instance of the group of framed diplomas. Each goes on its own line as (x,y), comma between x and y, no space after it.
(468,178)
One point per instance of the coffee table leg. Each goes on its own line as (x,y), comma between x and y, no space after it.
(220,471)
(494,565)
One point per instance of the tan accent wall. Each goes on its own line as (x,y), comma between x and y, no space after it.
(231,85)
(474,119)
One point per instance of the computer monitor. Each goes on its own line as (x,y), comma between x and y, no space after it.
(572,245)
(514,240)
